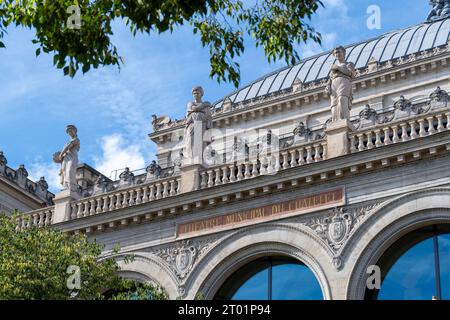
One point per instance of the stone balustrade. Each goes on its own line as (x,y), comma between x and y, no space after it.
(263,165)
(123,198)
(400,131)
(40,218)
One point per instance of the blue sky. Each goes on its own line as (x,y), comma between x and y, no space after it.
(113,109)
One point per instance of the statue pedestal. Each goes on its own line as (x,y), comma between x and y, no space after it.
(337,138)
(62,202)
(190,177)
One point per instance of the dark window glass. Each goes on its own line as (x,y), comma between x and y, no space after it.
(275,278)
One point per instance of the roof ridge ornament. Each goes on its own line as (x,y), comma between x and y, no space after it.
(440,10)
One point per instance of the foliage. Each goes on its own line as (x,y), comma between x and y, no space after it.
(276,25)
(132,290)
(34,264)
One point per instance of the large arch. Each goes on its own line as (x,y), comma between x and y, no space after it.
(144,268)
(386,226)
(254,242)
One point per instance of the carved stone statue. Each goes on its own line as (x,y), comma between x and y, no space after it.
(161,122)
(68,158)
(436,10)
(126,177)
(339,86)
(153,171)
(3,163)
(198,120)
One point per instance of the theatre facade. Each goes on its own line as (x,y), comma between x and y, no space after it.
(270,193)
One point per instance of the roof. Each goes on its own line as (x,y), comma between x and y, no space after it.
(386,47)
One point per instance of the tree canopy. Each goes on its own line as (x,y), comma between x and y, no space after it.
(44,264)
(77,32)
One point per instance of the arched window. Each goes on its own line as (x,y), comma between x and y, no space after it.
(271,278)
(416,267)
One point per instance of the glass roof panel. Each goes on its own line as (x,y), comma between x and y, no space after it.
(266,85)
(417,40)
(326,67)
(355,53)
(279,80)
(390,47)
(305,69)
(312,76)
(254,89)
(404,43)
(430,36)
(378,51)
(443,34)
(291,76)
(365,54)
(241,95)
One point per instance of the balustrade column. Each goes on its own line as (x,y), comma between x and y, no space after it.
(112,203)
(225,179)
(440,126)
(431,129)
(152,193)
(285,160)
(378,142)
(173,192)
(247,170)
(158,191)
(138,196)
(294,161)
(317,153)
(92,207)
(387,137)
(210,178)
(165,189)
(353,144)
(255,172)
(422,132)
(405,136)
(413,134)
(369,140)
(204,182)
(217,180)
(301,159)
(395,137)
(309,158)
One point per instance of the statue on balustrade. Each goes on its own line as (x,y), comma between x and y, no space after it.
(339,86)
(68,158)
(198,120)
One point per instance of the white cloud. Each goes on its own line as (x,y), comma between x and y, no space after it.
(50,171)
(117,154)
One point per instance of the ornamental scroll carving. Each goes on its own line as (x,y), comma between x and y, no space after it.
(338,225)
(182,257)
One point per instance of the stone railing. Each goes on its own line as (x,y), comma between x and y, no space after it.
(126,197)
(401,130)
(40,218)
(263,164)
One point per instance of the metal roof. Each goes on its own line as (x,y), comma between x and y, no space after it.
(389,46)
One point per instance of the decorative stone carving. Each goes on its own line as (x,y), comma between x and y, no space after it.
(338,225)
(126,178)
(21,176)
(373,64)
(367,117)
(340,86)
(3,163)
(436,11)
(297,85)
(439,98)
(183,255)
(177,163)
(101,185)
(198,120)
(43,185)
(161,122)
(227,105)
(403,108)
(153,171)
(68,158)
(301,132)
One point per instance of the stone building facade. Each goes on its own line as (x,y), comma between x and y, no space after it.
(17,192)
(271,183)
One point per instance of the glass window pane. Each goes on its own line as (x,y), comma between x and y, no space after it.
(412,277)
(305,69)
(266,85)
(355,53)
(255,288)
(380,47)
(324,72)
(417,40)
(444,264)
(430,36)
(442,36)
(291,76)
(241,95)
(278,81)
(365,54)
(254,89)
(294,282)
(390,47)
(312,76)
(404,43)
